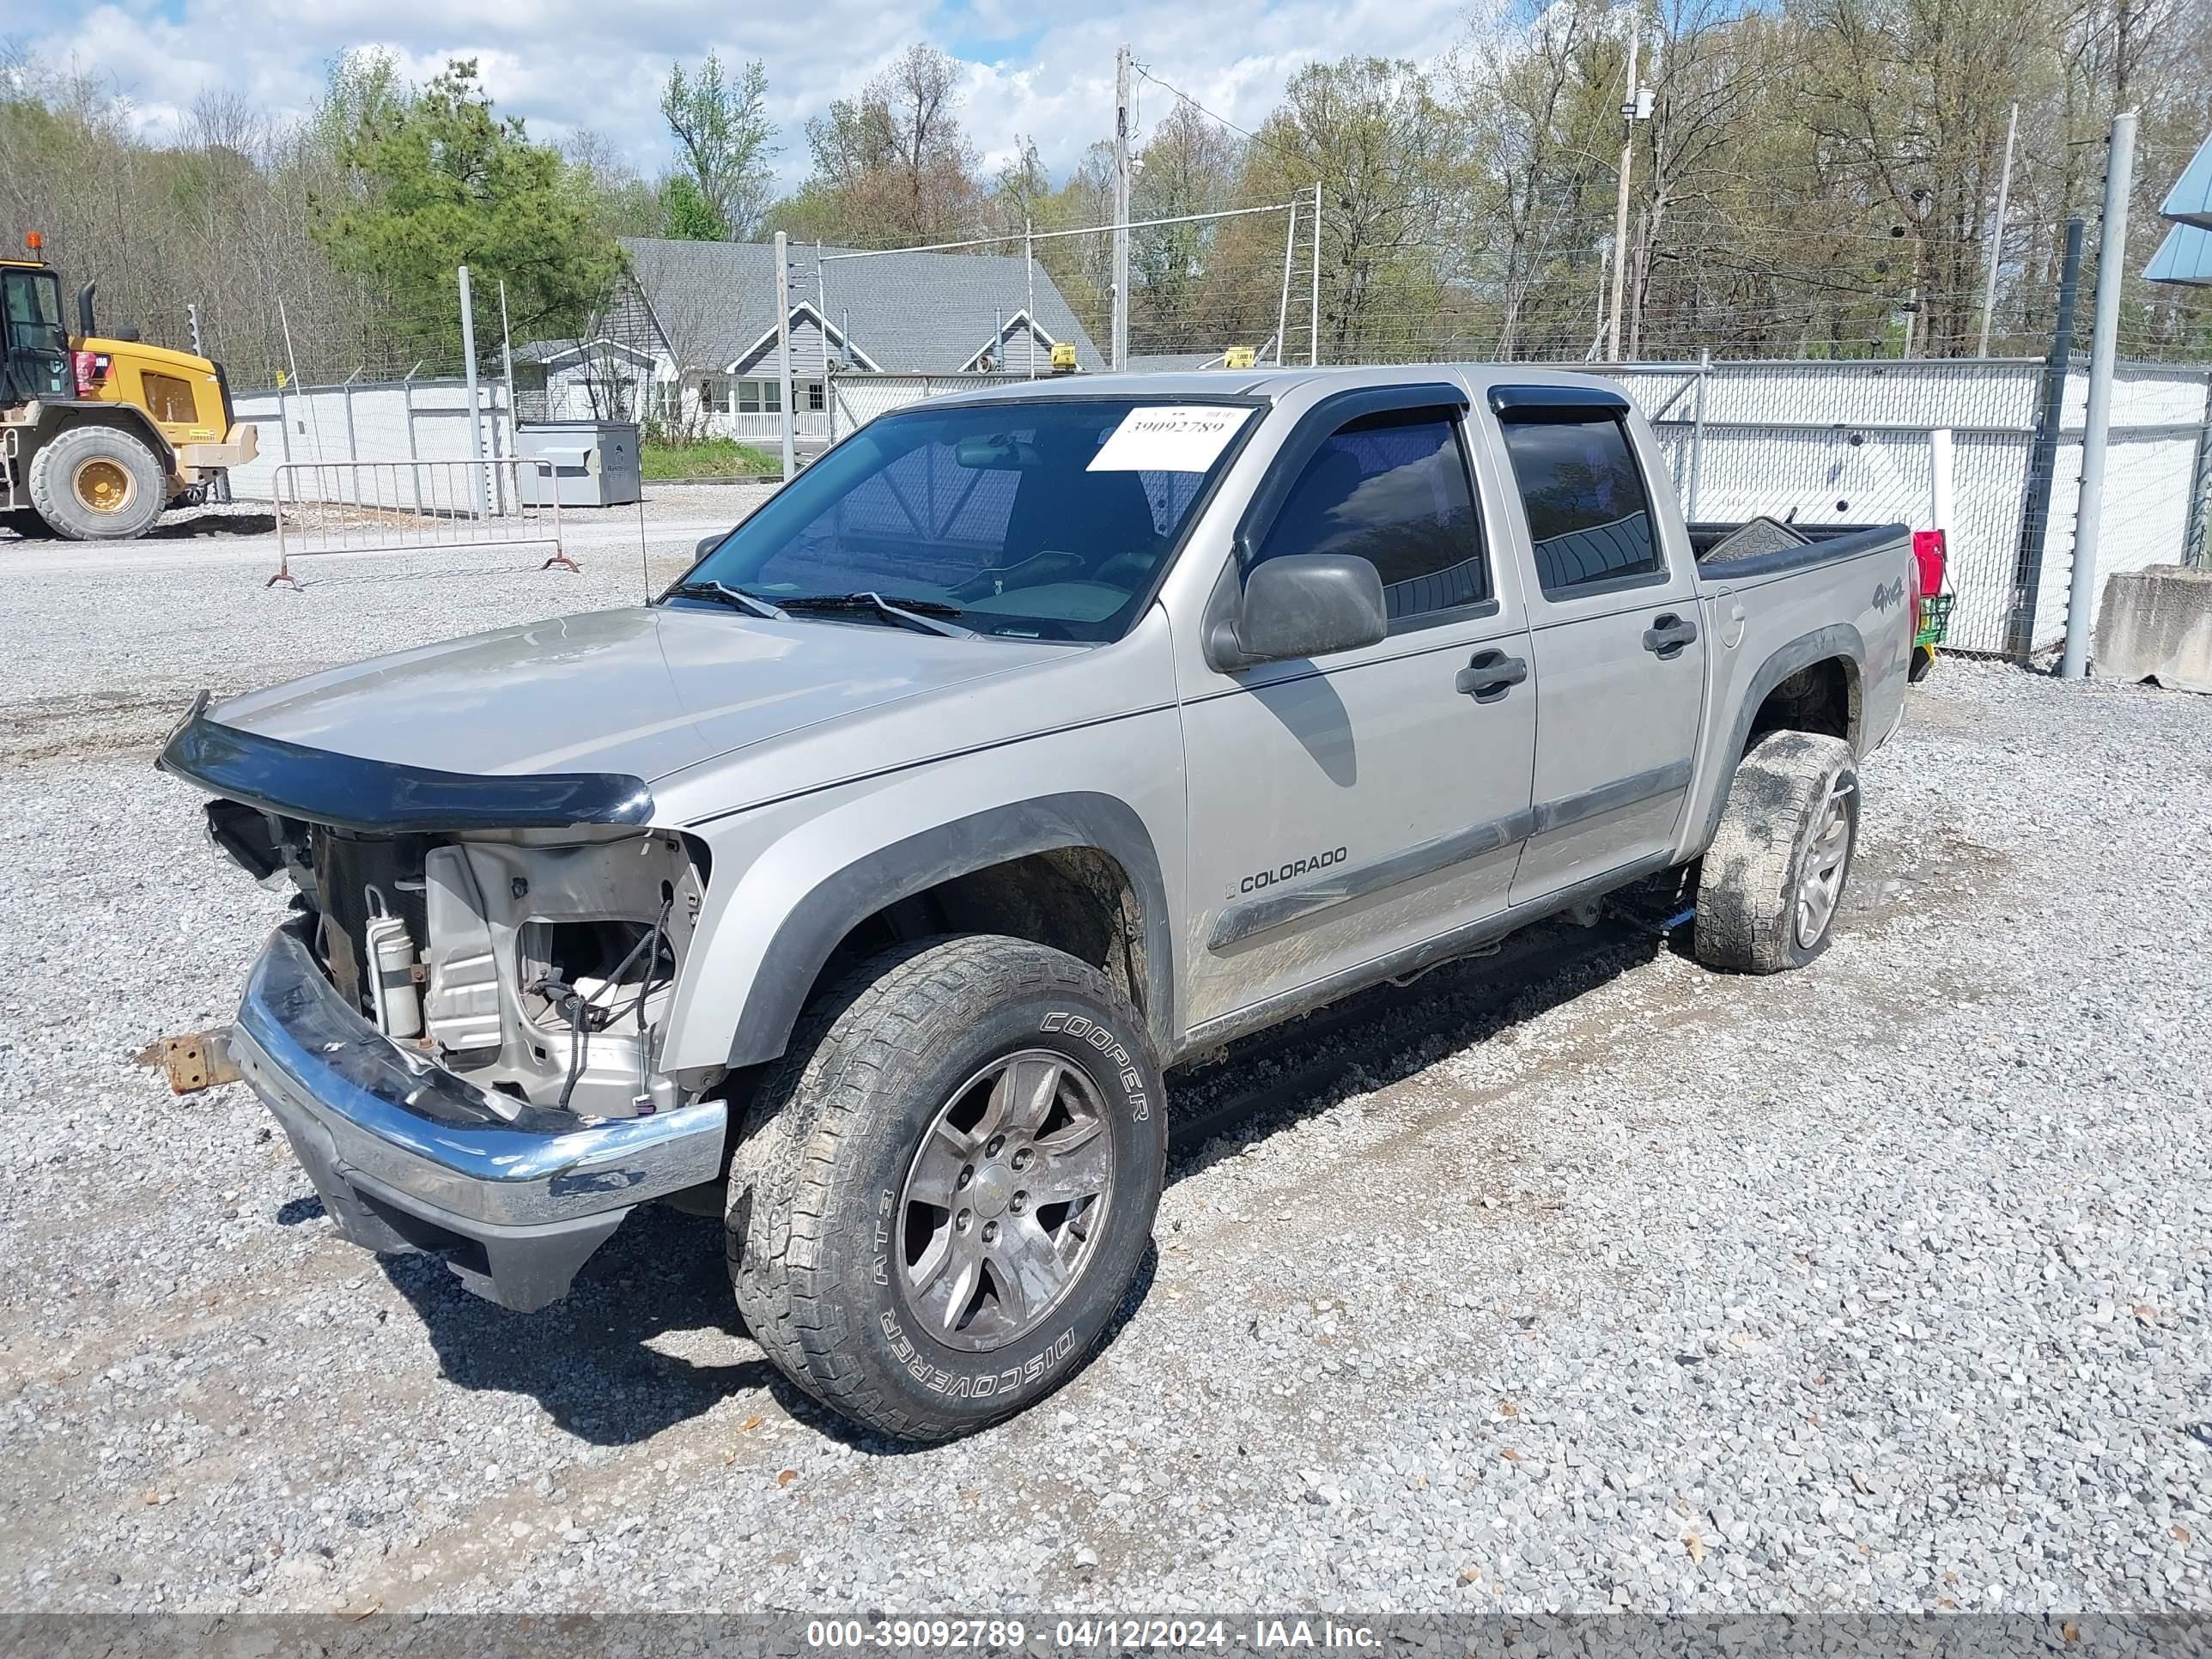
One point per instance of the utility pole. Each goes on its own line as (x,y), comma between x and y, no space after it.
(783,349)
(1283,310)
(1121,346)
(2096,430)
(1997,231)
(475,421)
(1029,283)
(1635,107)
(1313,298)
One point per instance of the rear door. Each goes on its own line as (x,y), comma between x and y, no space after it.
(1614,624)
(1345,807)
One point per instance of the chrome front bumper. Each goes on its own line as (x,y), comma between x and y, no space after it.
(408,1156)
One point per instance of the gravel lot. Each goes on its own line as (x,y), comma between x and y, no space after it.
(1601,1282)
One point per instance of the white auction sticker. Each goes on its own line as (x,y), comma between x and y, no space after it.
(1177,438)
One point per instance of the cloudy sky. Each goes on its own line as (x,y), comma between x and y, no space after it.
(1044,68)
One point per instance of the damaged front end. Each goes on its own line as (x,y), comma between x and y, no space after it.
(459,1026)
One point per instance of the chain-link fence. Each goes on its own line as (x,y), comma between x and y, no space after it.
(1819,442)
(1851,443)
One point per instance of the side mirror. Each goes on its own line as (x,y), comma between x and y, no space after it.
(708,543)
(1303,605)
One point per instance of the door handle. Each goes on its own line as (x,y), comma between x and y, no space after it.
(1667,634)
(1489,675)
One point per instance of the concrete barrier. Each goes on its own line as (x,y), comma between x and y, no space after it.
(2156,624)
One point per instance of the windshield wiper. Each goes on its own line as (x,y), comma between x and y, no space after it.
(735,597)
(922,614)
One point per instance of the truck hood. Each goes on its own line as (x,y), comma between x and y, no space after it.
(643,692)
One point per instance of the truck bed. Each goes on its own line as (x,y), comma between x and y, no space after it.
(1769,545)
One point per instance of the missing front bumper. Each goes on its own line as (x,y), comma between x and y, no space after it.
(407,1156)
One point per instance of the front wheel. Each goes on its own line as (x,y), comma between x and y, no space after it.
(97,484)
(947,1186)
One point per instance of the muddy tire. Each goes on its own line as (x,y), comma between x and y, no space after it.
(946,1188)
(1771,883)
(95,483)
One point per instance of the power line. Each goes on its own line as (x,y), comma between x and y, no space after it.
(1253,137)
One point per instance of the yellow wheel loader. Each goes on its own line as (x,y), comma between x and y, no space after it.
(99,436)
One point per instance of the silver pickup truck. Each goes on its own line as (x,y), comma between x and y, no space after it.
(1034,739)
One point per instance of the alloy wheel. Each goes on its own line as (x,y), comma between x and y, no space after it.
(1822,884)
(1009,1191)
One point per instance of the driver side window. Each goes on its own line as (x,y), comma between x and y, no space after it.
(1392,488)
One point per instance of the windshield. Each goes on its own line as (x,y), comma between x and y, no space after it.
(32,301)
(1042,520)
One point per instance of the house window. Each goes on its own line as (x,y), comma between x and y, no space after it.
(808,396)
(760,396)
(667,399)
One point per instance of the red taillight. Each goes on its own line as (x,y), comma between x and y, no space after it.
(1930,555)
(1930,552)
(91,370)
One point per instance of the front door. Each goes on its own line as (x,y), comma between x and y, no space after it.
(1343,808)
(34,360)
(1619,658)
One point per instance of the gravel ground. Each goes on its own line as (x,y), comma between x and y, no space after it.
(1596,1284)
(101,646)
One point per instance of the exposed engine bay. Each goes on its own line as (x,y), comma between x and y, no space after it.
(536,963)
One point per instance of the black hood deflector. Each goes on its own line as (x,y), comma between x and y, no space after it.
(381,798)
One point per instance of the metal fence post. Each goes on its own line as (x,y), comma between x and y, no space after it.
(476,413)
(2096,431)
(353,446)
(783,350)
(2197,540)
(2042,460)
(1698,432)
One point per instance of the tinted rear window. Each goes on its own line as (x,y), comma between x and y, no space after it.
(1588,516)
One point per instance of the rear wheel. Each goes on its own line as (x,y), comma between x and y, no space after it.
(942,1194)
(97,484)
(1769,885)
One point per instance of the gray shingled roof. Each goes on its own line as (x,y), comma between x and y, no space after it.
(545,351)
(916,312)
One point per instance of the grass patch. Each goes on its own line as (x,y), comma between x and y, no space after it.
(710,458)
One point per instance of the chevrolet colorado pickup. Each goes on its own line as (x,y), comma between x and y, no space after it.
(1034,739)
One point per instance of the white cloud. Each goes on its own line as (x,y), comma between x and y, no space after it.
(565,64)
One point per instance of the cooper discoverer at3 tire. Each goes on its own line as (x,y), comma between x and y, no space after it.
(947,1185)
